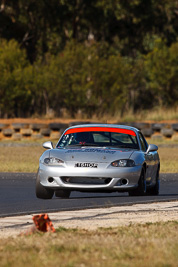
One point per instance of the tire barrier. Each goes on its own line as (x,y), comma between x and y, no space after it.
(53,131)
(175,126)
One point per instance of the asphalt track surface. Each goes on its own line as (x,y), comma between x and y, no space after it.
(17,196)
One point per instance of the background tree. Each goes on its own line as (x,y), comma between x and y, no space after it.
(92,56)
(12,93)
(162,69)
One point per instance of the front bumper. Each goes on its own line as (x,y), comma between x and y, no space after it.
(73,179)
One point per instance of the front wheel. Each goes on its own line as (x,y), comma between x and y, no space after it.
(41,191)
(154,191)
(141,189)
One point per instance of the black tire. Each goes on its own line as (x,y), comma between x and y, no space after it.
(167,132)
(38,126)
(141,189)
(157,127)
(147,132)
(19,126)
(57,126)
(7,132)
(154,191)
(3,125)
(62,193)
(45,132)
(41,191)
(175,126)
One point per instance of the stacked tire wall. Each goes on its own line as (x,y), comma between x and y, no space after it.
(53,130)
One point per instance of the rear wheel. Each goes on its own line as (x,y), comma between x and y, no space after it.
(62,193)
(154,191)
(41,191)
(141,189)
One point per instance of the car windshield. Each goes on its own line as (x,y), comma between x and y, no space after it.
(121,138)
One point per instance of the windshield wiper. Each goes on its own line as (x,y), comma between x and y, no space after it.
(73,145)
(125,146)
(81,145)
(90,144)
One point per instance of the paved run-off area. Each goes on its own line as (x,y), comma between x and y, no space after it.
(93,218)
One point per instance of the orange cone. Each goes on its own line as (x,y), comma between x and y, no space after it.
(43,223)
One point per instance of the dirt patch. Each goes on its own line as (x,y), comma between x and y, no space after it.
(36,120)
(91,219)
(67,120)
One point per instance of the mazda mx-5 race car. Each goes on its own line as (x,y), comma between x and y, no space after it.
(100,158)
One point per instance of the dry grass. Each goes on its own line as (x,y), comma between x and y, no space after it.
(169,159)
(134,245)
(26,158)
(154,115)
(20,159)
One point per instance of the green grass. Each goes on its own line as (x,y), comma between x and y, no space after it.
(134,245)
(17,158)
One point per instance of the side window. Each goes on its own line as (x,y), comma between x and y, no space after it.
(143,142)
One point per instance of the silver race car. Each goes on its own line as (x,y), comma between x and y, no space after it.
(100,158)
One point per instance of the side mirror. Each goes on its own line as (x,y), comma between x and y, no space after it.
(152,148)
(48,145)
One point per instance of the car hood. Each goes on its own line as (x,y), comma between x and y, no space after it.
(91,154)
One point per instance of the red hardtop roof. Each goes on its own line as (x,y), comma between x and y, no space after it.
(100,129)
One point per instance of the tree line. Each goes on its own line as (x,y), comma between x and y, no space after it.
(97,57)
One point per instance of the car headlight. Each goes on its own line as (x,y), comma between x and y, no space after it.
(123,163)
(53,161)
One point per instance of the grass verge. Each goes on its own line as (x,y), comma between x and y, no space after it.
(20,159)
(133,245)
